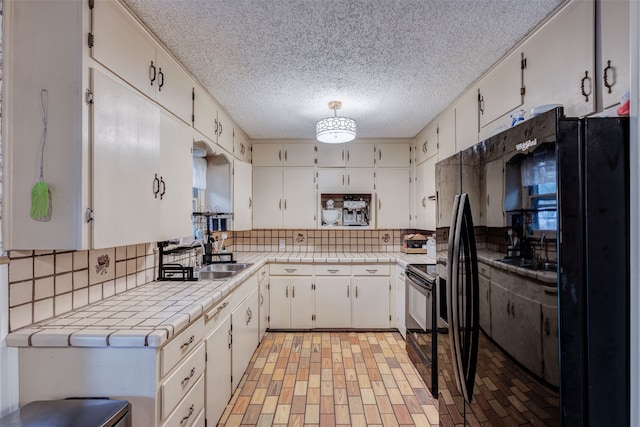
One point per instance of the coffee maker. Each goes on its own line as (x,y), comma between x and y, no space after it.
(355,212)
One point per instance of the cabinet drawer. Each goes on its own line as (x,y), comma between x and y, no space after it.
(181,380)
(200,420)
(332,270)
(263,274)
(217,314)
(484,270)
(180,345)
(371,270)
(291,269)
(189,408)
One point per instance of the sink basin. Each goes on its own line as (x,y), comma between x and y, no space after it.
(221,271)
(235,267)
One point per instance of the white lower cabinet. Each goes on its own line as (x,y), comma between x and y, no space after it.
(400,302)
(291,296)
(370,303)
(244,320)
(333,302)
(218,373)
(550,367)
(484,287)
(263,283)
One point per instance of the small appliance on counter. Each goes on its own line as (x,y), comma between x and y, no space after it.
(331,215)
(414,243)
(355,212)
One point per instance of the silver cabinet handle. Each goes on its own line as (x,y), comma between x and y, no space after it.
(220,133)
(285,155)
(332,271)
(372,271)
(293,291)
(160,79)
(585,79)
(347,291)
(285,204)
(261,298)
(291,270)
(342,179)
(356,292)
(249,315)
(218,310)
(188,342)
(605,77)
(280,155)
(286,292)
(188,378)
(379,154)
(348,155)
(348,179)
(280,204)
(343,154)
(152,73)
(424,202)
(215,121)
(379,204)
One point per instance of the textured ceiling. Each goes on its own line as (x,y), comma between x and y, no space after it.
(274,65)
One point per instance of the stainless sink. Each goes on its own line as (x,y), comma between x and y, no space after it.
(221,271)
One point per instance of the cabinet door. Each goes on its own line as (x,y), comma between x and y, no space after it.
(393,155)
(493,206)
(359,180)
(174,91)
(242,201)
(466,123)
(176,178)
(550,344)
(264,308)
(279,301)
(515,325)
(425,201)
(333,302)
(421,196)
(558,56)
(370,302)
(331,155)
(484,288)
(225,131)
(331,180)
(121,45)
(448,128)
(448,185)
(427,144)
(267,154)
(126,158)
(299,198)
(360,155)
(499,91)
(614,33)
(393,193)
(241,146)
(244,319)
(300,154)
(218,372)
(302,303)
(267,197)
(205,113)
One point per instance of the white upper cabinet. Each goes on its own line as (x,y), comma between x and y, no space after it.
(425,201)
(427,142)
(393,190)
(205,114)
(465,125)
(288,154)
(122,45)
(284,197)
(353,154)
(393,155)
(349,180)
(614,33)
(242,200)
(500,91)
(225,131)
(241,146)
(560,59)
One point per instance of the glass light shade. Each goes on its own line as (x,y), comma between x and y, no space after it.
(336,130)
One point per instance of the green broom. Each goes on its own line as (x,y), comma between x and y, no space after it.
(41,194)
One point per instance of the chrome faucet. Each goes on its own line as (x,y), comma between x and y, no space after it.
(197,264)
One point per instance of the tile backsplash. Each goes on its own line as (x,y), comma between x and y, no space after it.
(43,284)
(313,240)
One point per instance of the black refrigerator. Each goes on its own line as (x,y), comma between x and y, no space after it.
(533,301)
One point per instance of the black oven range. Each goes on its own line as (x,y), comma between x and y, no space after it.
(420,312)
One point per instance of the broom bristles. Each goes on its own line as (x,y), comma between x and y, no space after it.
(40,202)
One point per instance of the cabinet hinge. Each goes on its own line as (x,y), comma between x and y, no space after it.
(88,97)
(523,63)
(523,90)
(88,215)
(90,40)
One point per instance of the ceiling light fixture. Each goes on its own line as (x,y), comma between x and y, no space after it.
(336,130)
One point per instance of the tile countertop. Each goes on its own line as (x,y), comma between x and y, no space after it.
(550,278)
(148,316)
